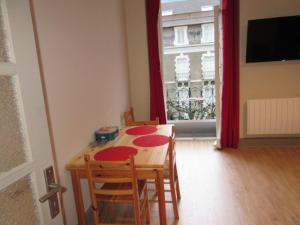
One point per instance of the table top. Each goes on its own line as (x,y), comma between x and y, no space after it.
(147,157)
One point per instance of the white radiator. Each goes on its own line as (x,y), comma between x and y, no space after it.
(273,117)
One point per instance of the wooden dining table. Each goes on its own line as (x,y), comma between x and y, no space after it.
(149,163)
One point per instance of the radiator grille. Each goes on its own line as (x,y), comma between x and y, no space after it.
(273,116)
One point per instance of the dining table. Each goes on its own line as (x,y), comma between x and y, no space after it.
(149,159)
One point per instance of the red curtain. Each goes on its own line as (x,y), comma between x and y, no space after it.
(230,92)
(157,104)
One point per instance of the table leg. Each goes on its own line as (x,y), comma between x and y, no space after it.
(161,197)
(78,197)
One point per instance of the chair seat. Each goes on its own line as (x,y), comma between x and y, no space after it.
(118,186)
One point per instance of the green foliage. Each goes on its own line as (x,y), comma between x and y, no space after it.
(190,110)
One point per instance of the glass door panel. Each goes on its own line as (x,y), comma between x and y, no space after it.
(18,205)
(14,148)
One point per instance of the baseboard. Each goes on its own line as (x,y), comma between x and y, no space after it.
(270,141)
(195,135)
(190,138)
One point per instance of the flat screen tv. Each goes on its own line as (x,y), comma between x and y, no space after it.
(274,39)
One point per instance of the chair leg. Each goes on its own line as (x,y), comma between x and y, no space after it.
(174,198)
(177,183)
(146,199)
(137,210)
(96,216)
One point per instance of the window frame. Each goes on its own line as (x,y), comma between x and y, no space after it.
(207,35)
(207,68)
(185,35)
(179,67)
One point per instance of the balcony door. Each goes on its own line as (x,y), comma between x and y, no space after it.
(191,66)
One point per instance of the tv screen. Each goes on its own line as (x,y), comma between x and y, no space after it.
(274,39)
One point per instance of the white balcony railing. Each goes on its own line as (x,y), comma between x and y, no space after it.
(190,109)
(182,76)
(208,75)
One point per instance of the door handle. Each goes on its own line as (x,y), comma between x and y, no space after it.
(53,190)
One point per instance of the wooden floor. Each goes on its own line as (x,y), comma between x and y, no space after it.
(249,186)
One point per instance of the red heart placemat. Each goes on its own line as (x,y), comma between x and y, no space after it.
(115,153)
(141,130)
(151,140)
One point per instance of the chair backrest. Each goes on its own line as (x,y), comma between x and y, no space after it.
(111,172)
(130,121)
(172,152)
(129,116)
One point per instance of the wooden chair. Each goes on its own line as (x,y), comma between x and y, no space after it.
(120,185)
(171,175)
(130,121)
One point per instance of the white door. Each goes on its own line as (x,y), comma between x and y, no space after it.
(25,149)
(218,71)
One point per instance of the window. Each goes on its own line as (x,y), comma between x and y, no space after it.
(208,92)
(208,33)
(194,34)
(182,67)
(206,8)
(188,59)
(181,37)
(167,13)
(183,95)
(208,66)
(168,36)
(182,84)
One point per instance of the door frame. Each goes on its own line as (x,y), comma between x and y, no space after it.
(218,73)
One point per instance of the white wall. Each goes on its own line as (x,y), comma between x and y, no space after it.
(84,58)
(258,80)
(265,80)
(138,58)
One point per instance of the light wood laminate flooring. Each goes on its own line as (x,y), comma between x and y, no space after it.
(247,186)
